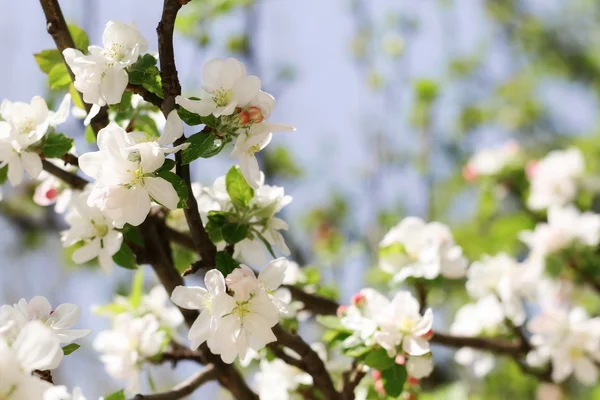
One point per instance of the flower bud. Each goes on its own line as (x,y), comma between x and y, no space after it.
(255,114)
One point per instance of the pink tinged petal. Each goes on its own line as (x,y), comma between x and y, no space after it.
(250,170)
(273,274)
(562,367)
(425,324)
(91,163)
(152,158)
(32,164)
(65,316)
(137,206)
(37,347)
(245,89)
(202,107)
(162,191)
(62,113)
(189,297)
(93,112)
(200,330)
(259,327)
(415,346)
(87,252)
(39,308)
(173,129)
(113,85)
(215,282)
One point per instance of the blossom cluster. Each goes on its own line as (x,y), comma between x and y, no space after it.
(237,312)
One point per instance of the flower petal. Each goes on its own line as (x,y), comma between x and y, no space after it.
(162,191)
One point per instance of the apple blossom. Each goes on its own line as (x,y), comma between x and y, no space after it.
(52,190)
(89,226)
(25,125)
(492,161)
(414,248)
(275,380)
(62,393)
(360,316)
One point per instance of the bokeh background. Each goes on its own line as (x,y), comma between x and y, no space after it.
(389,97)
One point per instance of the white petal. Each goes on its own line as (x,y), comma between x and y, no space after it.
(137,206)
(64,317)
(162,191)
(415,346)
(62,113)
(39,308)
(200,329)
(245,89)
(273,274)
(113,85)
(87,252)
(152,158)
(32,164)
(37,347)
(91,163)
(202,107)
(15,171)
(173,129)
(93,112)
(250,169)
(189,297)
(215,282)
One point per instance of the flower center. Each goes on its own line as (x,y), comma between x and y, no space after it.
(406,325)
(8,393)
(101,229)
(222,97)
(576,353)
(27,126)
(253,149)
(116,52)
(242,308)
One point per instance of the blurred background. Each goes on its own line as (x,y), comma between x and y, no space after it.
(389,98)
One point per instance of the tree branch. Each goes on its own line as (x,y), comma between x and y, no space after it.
(499,346)
(58,29)
(314,365)
(185,388)
(146,95)
(75,181)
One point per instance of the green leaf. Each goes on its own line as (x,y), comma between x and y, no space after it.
(79,37)
(137,288)
(57,145)
(47,59)
(125,257)
(58,77)
(330,321)
(68,349)
(76,97)
(133,235)
(120,395)
(178,184)
(109,309)
(189,117)
(225,263)
(358,351)
(203,145)
(394,379)
(145,73)
(144,123)
(238,189)
(266,243)
(90,136)
(3,174)
(312,274)
(234,232)
(379,359)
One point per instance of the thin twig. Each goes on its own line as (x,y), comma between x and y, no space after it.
(499,346)
(69,178)
(146,95)
(185,388)
(57,27)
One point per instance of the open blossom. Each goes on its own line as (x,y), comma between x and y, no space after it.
(502,276)
(60,321)
(25,124)
(491,161)
(275,380)
(35,348)
(131,341)
(554,179)
(570,340)
(360,316)
(414,248)
(565,226)
(125,173)
(101,75)
(52,190)
(484,316)
(89,226)
(232,325)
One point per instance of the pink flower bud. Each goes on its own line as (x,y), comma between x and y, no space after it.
(341,311)
(51,193)
(531,168)
(469,173)
(376,374)
(255,114)
(379,387)
(412,381)
(400,359)
(244,118)
(357,299)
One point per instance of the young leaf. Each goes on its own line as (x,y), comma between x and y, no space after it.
(202,145)
(133,235)
(58,77)
(238,189)
(57,145)
(90,137)
(110,309)
(189,117)
(47,59)
(125,257)
(178,184)
(79,37)
(68,349)
(330,321)
(234,232)
(394,379)
(3,174)
(379,359)
(76,97)
(137,288)
(144,72)
(120,395)
(225,263)
(266,243)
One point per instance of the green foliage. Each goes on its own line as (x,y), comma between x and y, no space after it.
(70,348)
(238,189)
(79,37)
(279,162)
(125,257)
(234,232)
(90,136)
(57,145)
(137,288)
(379,359)
(394,379)
(58,77)
(3,174)
(426,90)
(203,145)
(225,263)
(178,184)
(120,395)
(47,59)
(144,72)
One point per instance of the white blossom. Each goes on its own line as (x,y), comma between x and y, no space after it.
(52,190)
(275,380)
(414,248)
(360,316)
(419,367)
(25,125)
(491,161)
(555,178)
(94,230)
(130,341)
(60,321)
(62,393)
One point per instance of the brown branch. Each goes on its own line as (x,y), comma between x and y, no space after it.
(499,346)
(351,379)
(185,388)
(69,178)
(45,375)
(280,353)
(58,29)
(314,365)
(178,353)
(146,95)
(313,302)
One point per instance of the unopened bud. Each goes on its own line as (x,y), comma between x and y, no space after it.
(400,359)
(469,173)
(428,335)
(255,114)
(51,193)
(341,311)
(412,381)
(376,375)
(358,299)
(244,118)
